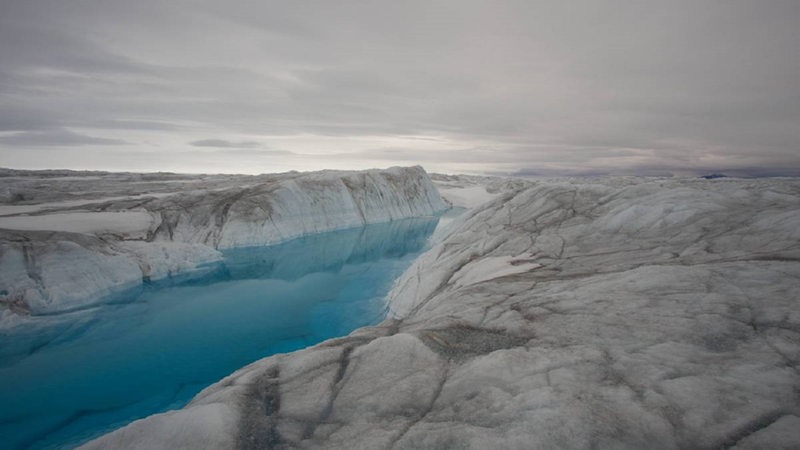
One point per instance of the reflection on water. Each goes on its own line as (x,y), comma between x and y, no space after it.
(125,361)
(328,252)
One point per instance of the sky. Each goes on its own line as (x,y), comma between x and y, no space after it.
(458,86)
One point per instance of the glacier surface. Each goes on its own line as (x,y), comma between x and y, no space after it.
(595,313)
(71,240)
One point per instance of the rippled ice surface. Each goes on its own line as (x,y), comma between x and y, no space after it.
(155,353)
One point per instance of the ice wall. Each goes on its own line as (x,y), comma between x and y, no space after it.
(285,208)
(46,270)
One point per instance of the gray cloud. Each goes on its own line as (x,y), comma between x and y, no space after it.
(21,118)
(475,85)
(56,137)
(221,143)
(122,124)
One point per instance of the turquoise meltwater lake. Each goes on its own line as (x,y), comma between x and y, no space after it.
(98,369)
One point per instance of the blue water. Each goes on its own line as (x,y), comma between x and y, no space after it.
(119,362)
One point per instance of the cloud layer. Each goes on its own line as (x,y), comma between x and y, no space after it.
(488,86)
(222,143)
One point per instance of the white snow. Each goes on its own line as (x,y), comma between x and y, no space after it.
(467,197)
(492,267)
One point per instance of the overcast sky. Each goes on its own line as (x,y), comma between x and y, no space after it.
(532,87)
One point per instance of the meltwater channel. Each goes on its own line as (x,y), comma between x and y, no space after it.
(155,352)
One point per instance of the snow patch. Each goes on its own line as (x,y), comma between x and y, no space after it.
(467,197)
(492,267)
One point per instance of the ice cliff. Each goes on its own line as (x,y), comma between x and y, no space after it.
(69,240)
(617,313)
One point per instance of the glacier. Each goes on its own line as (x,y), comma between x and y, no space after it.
(576,313)
(70,240)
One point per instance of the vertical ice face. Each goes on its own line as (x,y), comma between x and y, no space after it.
(320,202)
(46,269)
